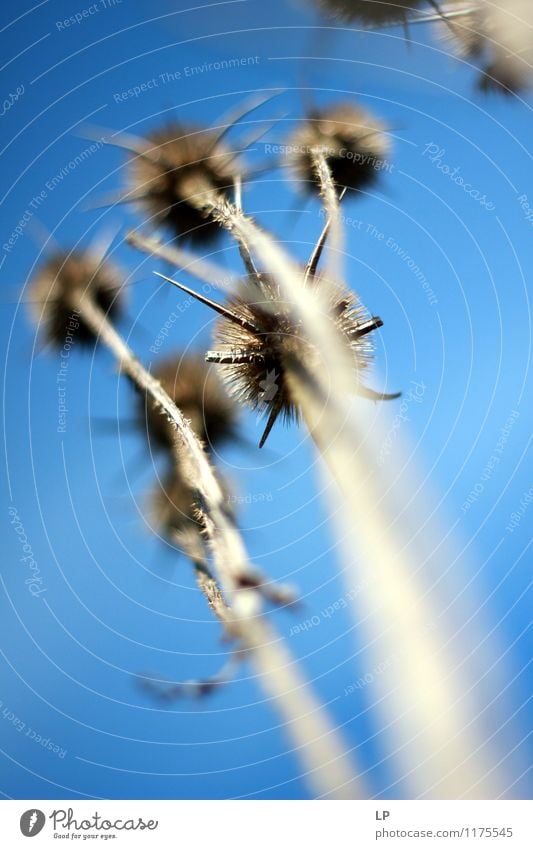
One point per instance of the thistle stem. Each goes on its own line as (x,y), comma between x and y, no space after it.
(428,707)
(330,200)
(316,741)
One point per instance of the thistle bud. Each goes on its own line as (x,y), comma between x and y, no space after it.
(181,164)
(199,394)
(354,143)
(62,283)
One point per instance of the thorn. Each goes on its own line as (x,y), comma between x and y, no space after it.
(242,111)
(224,311)
(314,259)
(372,395)
(274,413)
(369,325)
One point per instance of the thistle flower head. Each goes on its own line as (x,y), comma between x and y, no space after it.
(60,284)
(181,163)
(253,354)
(352,140)
(498,33)
(200,396)
(371,12)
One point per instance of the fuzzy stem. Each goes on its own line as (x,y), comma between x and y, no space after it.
(330,199)
(428,705)
(210,588)
(315,739)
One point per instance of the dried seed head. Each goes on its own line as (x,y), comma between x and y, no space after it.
(198,392)
(498,32)
(182,163)
(371,12)
(255,367)
(503,76)
(353,141)
(58,286)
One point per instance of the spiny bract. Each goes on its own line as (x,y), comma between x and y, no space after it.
(257,378)
(353,141)
(182,164)
(61,282)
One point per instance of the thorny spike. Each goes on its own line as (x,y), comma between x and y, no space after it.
(274,413)
(237,319)
(314,259)
(100,246)
(444,15)
(372,395)
(239,112)
(133,144)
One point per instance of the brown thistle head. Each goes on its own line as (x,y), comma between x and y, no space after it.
(353,141)
(199,394)
(180,165)
(371,12)
(60,284)
(253,355)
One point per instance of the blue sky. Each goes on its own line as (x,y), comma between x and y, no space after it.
(117,601)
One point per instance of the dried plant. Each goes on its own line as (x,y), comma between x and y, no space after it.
(321,751)
(199,394)
(461,29)
(353,142)
(177,163)
(289,341)
(59,286)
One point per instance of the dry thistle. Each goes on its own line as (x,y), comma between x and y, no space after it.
(353,142)
(258,336)
(62,283)
(371,12)
(175,164)
(499,34)
(201,397)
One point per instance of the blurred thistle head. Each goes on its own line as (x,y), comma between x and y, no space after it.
(355,145)
(61,283)
(178,166)
(371,12)
(497,33)
(176,516)
(463,35)
(199,394)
